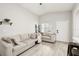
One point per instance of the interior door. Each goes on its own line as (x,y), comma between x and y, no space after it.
(62,31)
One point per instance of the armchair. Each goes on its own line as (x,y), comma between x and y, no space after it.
(49,37)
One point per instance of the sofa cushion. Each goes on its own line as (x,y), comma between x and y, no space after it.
(24,37)
(46,34)
(29,41)
(19,47)
(46,37)
(22,47)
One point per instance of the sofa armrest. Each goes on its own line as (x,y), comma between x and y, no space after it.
(5,48)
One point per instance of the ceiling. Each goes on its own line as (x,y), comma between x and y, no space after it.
(38,9)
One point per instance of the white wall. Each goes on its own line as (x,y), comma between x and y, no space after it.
(76,20)
(23,20)
(75,36)
(51,19)
(76,24)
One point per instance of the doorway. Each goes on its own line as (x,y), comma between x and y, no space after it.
(62,31)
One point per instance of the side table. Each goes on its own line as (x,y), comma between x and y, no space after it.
(71,51)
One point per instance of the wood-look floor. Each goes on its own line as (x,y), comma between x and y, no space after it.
(47,49)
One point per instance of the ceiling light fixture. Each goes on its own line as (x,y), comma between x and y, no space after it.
(40,3)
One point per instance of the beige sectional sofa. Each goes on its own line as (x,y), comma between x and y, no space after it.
(24,42)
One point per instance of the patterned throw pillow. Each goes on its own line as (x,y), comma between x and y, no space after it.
(10,40)
(33,36)
(14,42)
(7,40)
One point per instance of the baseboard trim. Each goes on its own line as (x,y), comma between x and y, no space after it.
(48,41)
(55,42)
(63,42)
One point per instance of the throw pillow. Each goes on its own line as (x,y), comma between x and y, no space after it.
(7,40)
(14,42)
